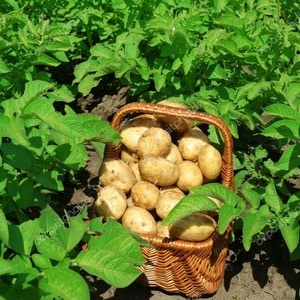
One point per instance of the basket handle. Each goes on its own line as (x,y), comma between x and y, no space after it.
(227,178)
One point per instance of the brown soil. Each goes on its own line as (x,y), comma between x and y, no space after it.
(265,272)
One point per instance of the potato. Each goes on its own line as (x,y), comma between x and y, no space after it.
(174,155)
(134,129)
(189,175)
(158,170)
(195,228)
(166,202)
(154,141)
(162,230)
(129,202)
(175,123)
(110,203)
(191,142)
(135,168)
(210,162)
(145,194)
(139,220)
(165,189)
(128,156)
(116,172)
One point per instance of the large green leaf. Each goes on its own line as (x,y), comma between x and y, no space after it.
(63,283)
(14,129)
(14,266)
(21,237)
(4,232)
(217,190)
(70,236)
(253,223)
(289,129)
(113,256)
(282,110)
(109,266)
(188,205)
(50,246)
(272,198)
(290,233)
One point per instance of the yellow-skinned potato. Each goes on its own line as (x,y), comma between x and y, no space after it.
(134,129)
(145,194)
(139,220)
(194,228)
(191,142)
(166,202)
(116,172)
(110,203)
(175,123)
(170,188)
(128,156)
(174,155)
(158,170)
(135,168)
(189,175)
(210,162)
(154,141)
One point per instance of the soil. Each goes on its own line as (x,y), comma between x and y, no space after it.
(265,272)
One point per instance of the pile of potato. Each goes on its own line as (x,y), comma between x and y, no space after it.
(161,159)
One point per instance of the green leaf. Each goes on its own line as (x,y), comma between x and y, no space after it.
(217,190)
(62,94)
(88,82)
(290,234)
(220,5)
(118,238)
(14,128)
(272,198)
(14,266)
(229,19)
(50,179)
(71,236)
(46,60)
(4,232)
(159,80)
(72,156)
(251,196)
(188,205)
(283,129)
(289,160)
(49,221)
(3,67)
(253,223)
(41,261)
(18,156)
(282,110)
(218,73)
(21,237)
(112,256)
(229,46)
(226,214)
(50,247)
(64,283)
(109,266)
(33,89)
(292,95)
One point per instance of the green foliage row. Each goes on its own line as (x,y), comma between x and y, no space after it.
(238,60)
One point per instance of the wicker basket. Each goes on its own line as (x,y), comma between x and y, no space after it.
(190,268)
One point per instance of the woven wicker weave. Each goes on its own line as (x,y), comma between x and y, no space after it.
(190,268)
